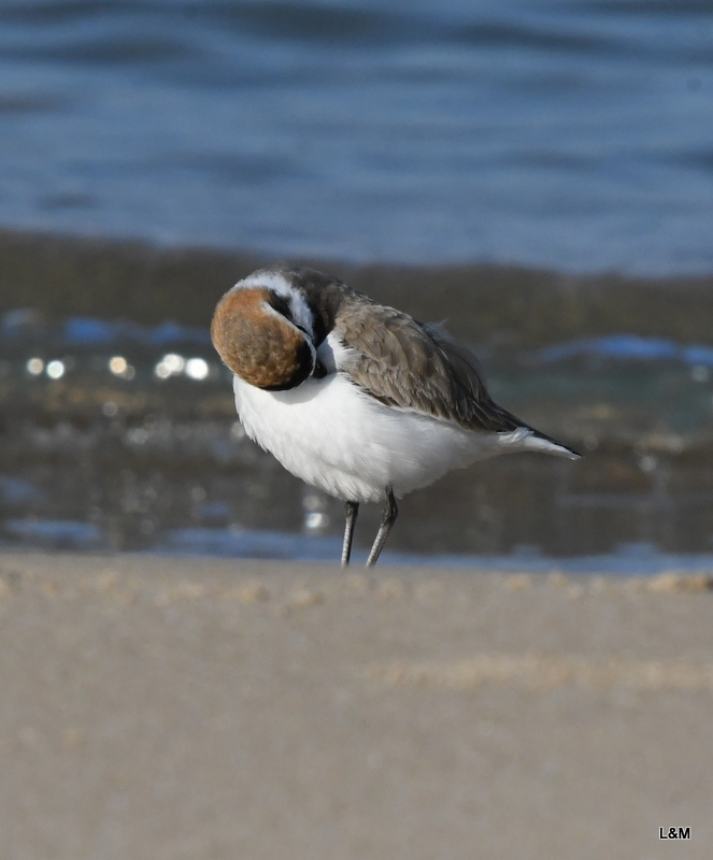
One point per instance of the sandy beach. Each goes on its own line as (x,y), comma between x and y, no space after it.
(183,708)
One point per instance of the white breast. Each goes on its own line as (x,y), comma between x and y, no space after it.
(334,436)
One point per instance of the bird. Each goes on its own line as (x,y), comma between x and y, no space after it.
(357,398)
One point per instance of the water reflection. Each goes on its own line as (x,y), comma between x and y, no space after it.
(119,366)
(170,365)
(55,369)
(173,364)
(197,368)
(137,483)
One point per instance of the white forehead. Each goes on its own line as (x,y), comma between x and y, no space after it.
(279,283)
(268,278)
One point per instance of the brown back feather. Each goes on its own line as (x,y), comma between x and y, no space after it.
(410,365)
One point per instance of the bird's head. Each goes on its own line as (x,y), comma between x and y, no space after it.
(263,331)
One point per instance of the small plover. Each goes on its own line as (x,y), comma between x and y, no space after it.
(356,398)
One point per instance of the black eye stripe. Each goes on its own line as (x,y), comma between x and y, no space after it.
(281,305)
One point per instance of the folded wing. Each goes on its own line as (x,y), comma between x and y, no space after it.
(409,365)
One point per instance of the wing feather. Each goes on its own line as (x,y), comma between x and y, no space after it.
(409,365)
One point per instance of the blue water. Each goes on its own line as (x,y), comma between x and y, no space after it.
(577,135)
(630,347)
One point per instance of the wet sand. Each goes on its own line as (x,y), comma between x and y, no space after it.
(492,305)
(182,708)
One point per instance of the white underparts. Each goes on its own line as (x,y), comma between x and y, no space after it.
(334,436)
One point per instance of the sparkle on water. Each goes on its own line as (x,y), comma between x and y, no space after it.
(197,368)
(35,366)
(55,369)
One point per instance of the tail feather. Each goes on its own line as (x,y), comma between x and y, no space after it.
(536,441)
(524,437)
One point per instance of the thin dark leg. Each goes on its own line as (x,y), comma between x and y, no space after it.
(391,511)
(352,511)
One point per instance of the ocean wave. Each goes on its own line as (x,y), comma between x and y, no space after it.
(628,347)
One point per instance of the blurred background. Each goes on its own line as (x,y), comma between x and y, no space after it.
(537,173)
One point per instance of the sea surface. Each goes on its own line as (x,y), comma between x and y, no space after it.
(574,135)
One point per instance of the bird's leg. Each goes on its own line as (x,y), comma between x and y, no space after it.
(391,511)
(351,518)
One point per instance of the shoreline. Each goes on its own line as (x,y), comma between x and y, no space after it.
(640,407)
(490,303)
(162,707)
